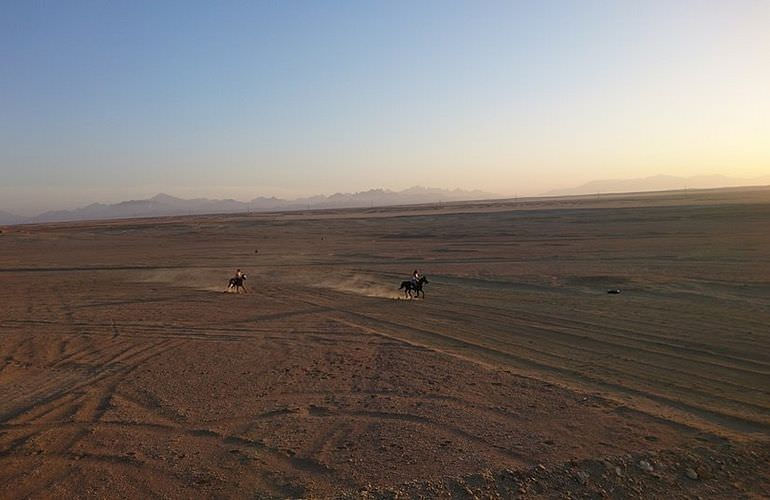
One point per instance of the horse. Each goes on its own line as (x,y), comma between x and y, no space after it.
(409,286)
(237,283)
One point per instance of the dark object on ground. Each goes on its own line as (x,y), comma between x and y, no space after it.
(614,291)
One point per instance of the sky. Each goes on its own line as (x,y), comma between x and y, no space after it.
(106,101)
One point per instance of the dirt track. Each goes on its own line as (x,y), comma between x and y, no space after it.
(124,371)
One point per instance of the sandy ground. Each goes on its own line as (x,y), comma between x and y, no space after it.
(126,372)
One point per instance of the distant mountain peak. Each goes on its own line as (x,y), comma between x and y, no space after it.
(163,197)
(9,218)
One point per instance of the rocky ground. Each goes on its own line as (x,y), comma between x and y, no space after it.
(723,472)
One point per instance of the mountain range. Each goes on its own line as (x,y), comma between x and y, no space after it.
(659,183)
(7,218)
(166,205)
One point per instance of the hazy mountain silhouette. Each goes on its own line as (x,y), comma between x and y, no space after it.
(9,218)
(167,205)
(659,183)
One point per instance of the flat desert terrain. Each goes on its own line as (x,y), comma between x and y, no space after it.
(125,372)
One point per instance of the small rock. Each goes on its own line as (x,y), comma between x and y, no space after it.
(645,466)
(582,476)
(618,471)
(690,472)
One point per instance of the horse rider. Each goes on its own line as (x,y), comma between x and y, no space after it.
(238,274)
(415,277)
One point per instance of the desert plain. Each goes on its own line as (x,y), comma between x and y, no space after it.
(126,372)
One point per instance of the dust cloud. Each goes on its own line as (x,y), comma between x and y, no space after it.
(215,280)
(361,284)
(211,280)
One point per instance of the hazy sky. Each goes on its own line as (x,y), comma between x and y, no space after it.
(103,101)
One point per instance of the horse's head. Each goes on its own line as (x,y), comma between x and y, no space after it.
(424,280)
(243,277)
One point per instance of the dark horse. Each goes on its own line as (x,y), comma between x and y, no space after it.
(237,284)
(409,286)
